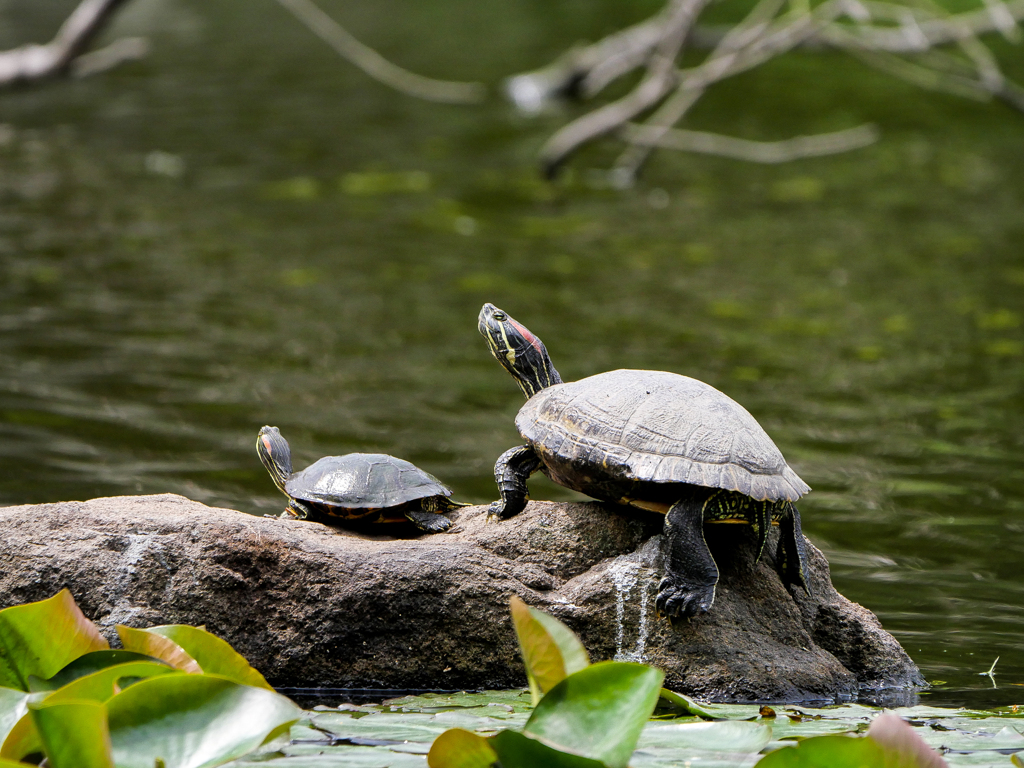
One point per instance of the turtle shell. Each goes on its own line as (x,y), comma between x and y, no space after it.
(363,481)
(635,427)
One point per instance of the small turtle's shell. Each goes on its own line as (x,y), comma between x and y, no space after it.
(363,481)
(637,427)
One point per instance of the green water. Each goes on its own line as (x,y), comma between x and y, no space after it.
(244,230)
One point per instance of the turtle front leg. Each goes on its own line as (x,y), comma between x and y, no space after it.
(691,575)
(511,471)
(429,522)
(790,555)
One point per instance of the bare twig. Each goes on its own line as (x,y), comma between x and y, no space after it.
(38,62)
(660,78)
(118,52)
(375,65)
(689,91)
(769,152)
(899,36)
(585,70)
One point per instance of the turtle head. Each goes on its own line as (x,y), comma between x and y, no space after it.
(520,352)
(275,455)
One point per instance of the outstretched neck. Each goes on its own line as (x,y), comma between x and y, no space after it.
(542,376)
(276,456)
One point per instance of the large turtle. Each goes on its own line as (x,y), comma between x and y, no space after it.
(372,487)
(654,440)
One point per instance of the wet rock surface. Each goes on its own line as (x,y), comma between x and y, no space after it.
(317,606)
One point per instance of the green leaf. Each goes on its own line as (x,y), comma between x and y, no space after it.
(159,647)
(550,649)
(458,748)
(193,721)
(42,638)
(74,733)
(828,752)
(13,706)
(214,655)
(680,703)
(86,665)
(1015,759)
(521,750)
(599,711)
(23,738)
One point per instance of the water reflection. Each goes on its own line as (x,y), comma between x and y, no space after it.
(239,231)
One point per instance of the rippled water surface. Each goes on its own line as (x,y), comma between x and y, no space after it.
(243,230)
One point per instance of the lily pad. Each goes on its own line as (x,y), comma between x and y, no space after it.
(214,655)
(193,721)
(458,748)
(23,738)
(159,647)
(73,733)
(723,736)
(551,651)
(599,711)
(86,665)
(13,706)
(42,638)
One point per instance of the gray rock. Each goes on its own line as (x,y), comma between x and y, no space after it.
(311,605)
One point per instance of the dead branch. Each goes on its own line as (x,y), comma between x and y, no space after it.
(57,58)
(901,37)
(375,65)
(769,152)
(661,76)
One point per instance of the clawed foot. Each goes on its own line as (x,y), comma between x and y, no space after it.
(683,600)
(496,511)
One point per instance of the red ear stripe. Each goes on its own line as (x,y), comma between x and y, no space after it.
(534,341)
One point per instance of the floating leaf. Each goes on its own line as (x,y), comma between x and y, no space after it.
(159,647)
(42,638)
(551,651)
(458,748)
(74,733)
(193,721)
(410,727)
(722,736)
(829,752)
(86,665)
(214,655)
(599,711)
(680,703)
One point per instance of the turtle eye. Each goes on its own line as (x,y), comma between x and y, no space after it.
(499,316)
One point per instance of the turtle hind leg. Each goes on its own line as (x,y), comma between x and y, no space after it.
(691,574)
(790,555)
(429,522)
(511,471)
(441,504)
(296,510)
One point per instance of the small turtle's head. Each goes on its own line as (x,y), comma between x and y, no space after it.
(519,351)
(275,455)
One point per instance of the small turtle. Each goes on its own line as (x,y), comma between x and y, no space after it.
(372,487)
(654,440)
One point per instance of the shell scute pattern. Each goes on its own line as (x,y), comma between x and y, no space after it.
(656,426)
(364,480)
